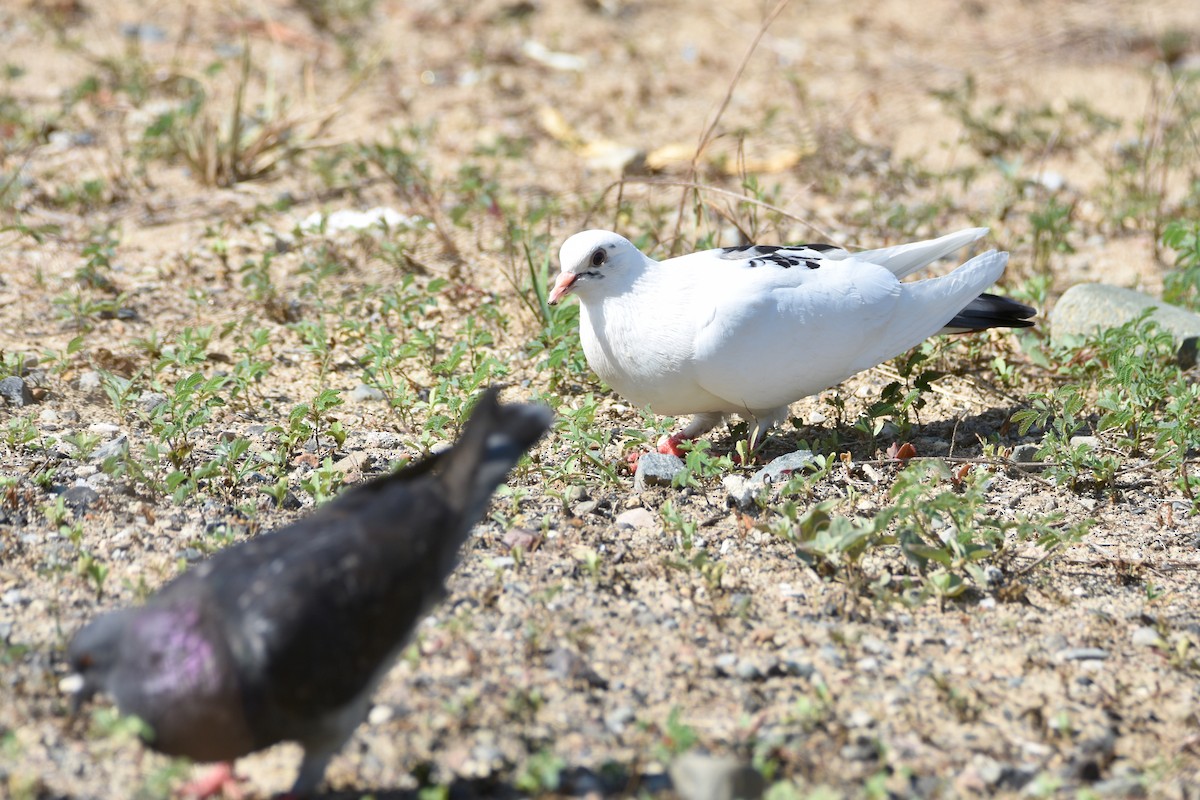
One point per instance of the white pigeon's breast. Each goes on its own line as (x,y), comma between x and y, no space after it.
(646,358)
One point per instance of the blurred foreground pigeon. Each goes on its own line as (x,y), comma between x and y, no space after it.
(285,637)
(749,330)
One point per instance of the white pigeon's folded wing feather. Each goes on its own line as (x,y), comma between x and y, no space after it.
(768,345)
(926,306)
(788,333)
(905,259)
(900,260)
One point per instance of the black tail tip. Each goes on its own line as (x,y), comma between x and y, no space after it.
(992,311)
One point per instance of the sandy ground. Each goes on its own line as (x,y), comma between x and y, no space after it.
(526,116)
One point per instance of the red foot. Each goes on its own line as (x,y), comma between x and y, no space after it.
(219,782)
(669,445)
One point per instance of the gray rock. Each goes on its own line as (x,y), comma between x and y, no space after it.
(384,440)
(1146,636)
(1088,307)
(795,662)
(113,448)
(862,749)
(568,665)
(874,645)
(699,776)
(860,718)
(656,469)
(1025,453)
(747,670)
(354,464)
(740,491)
(152,401)
(831,655)
(364,394)
(725,663)
(584,508)
(617,719)
(1082,654)
(1120,786)
(989,769)
(80,498)
(575,494)
(15,392)
(90,382)
(636,518)
(781,469)
(1090,442)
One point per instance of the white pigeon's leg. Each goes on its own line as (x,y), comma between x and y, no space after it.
(700,425)
(763,421)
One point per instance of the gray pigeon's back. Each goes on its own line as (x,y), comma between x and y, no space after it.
(311,615)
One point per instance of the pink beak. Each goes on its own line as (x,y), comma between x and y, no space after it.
(562,287)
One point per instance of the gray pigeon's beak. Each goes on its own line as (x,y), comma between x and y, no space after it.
(76,686)
(562,287)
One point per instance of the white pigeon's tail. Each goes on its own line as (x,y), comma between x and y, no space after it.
(926,306)
(905,259)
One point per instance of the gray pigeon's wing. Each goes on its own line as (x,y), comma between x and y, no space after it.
(314,611)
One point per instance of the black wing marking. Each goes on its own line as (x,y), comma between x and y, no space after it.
(783,256)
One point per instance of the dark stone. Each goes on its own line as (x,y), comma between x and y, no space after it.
(15,392)
(80,498)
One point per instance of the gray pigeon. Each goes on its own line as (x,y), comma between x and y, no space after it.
(285,637)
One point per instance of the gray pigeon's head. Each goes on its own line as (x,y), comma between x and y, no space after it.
(94,652)
(596,262)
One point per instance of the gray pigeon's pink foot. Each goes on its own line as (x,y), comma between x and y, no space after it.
(219,782)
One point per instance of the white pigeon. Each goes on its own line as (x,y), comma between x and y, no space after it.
(749,330)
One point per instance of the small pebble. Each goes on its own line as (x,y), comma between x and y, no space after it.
(89,382)
(80,498)
(618,719)
(740,492)
(114,448)
(1083,654)
(1025,453)
(364,394)
(1146,636)
(380,714)
(636,518)
(700,776)
(150,402)
(522,538)
(584,508)
(15,392)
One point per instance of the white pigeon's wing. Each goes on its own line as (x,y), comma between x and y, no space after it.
(781,256)
(900,260)
(789,333)
(905,259)
(925,307)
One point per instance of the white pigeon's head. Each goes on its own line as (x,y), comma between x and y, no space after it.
(592,258)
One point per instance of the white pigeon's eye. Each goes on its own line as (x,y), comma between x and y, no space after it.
(599,257)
